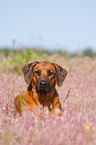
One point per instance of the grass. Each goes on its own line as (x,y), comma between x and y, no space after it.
(38,118)
(15,60)
(76,126)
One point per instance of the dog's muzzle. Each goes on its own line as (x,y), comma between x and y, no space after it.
(43,87)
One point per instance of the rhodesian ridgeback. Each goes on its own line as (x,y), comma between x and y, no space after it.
(41,78)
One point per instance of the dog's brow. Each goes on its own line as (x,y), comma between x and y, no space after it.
(35,65)
(54,67)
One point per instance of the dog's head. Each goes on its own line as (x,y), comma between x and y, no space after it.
(42,76)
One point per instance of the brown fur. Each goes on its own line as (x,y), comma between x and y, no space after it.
(33,74)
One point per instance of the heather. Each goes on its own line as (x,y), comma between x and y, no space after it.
(76,126)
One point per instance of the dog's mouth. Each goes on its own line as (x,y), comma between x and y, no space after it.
(43,90)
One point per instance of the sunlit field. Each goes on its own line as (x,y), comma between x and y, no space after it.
(76,126)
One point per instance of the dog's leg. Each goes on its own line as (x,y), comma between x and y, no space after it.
(56,105)
(17,104)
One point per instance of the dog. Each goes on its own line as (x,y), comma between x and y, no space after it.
(41,78)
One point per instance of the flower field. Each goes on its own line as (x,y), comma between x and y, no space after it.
(76,126)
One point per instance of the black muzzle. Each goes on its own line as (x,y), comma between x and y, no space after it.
(43,87)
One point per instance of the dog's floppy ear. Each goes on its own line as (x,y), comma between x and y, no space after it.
(27,71)
(61,74)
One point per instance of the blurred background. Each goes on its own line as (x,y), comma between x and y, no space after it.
(58,31)
(40,29)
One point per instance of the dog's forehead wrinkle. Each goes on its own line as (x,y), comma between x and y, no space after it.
(43,66)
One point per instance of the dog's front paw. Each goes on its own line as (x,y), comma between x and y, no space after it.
(56,112)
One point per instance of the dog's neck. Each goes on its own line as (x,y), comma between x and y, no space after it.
(41,97)
(44,98)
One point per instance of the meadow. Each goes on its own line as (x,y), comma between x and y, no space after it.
(76,126)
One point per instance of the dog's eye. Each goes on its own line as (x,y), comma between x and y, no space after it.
(50,73)
(37,72)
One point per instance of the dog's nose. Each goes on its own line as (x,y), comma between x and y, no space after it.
(43,83)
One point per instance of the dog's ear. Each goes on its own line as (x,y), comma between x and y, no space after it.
(27,71)
(61,74)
